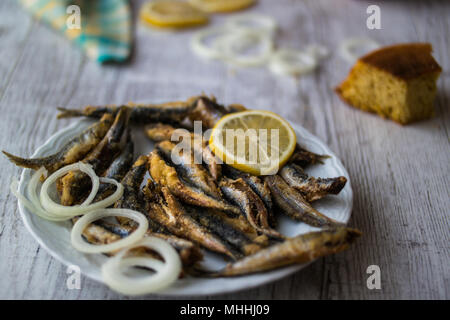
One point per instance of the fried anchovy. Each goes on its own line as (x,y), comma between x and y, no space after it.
(165,175)
(140,113)
(258,186)
(213,221)
(103,232)
(133,197)
(162,132)
(241,224)
(73,151)
(311,188)
(239,193)
(303,157)
(75,184)
(184,160)
(168,212)
(297,250)
(208,111)
(294,205)
(117,170)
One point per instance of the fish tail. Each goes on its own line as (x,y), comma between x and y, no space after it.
(337,185)
(68,113)
(29,163)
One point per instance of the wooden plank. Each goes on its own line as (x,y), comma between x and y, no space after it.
(398,173)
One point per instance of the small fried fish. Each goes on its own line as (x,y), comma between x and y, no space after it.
(75,184)
(212,220)
(133,198)
(168,212)
(311,188)
(239,192)
(165,175)
(184,161)
(140,113)
(117,171)
(304,158)
(295,206)
(297,250)
(164,132)
(73,151)
(208,111)
(258,186)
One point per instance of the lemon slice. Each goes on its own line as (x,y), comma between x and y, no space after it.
(257,142)
(221,5)
(172,14)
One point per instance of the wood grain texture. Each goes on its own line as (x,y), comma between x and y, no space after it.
(399,174)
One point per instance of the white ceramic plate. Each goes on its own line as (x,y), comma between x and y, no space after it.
(55,237)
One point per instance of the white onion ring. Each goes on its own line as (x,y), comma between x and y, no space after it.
(199,47)
(292,62)
(70,211)
(320,52)
(258,23)
(147,262)
(348,46)
(244,39)
(113,276)
(79,226)
(30,205)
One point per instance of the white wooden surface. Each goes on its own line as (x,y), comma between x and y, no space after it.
(399,174)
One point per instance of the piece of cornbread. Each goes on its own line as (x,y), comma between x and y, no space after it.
(396,82)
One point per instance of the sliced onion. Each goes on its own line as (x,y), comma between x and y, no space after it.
(232,43)
(318,51)
(37,210)
(148,262)
(114,277)
(348,48)
(79,226)
(292,62)
(70,211)
(199,46)
(252,22)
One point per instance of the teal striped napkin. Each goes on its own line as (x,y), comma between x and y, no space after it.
(104,31)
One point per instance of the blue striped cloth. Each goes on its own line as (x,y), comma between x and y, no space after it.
(105,25)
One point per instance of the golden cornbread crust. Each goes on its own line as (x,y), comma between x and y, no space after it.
(396,82)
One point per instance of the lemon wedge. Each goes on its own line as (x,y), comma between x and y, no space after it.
(257,142)
(172,14)
(221,5)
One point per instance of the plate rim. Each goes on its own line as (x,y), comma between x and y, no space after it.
(278,273)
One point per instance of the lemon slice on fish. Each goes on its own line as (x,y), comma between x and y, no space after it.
(221,5)
(172,14)
(257,142)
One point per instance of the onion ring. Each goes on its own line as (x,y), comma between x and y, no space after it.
(70,211)
(257,23)
(318,51)
(242,39)
(347,48)
(29,204)
(292,62)
(81,245)
(199,47)
(113,276)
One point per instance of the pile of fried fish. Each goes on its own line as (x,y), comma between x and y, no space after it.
(209,205)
